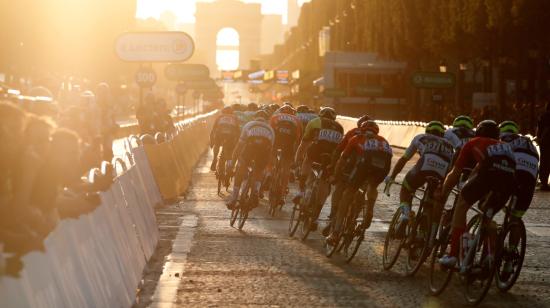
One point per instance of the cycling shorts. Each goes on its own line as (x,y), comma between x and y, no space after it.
(372,173)
(480,184)
(259,152)
(287,145)
(317,149)
(416,178)
(525,190)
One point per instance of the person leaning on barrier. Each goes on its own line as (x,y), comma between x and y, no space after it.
(543,138)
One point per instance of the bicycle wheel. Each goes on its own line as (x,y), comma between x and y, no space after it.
(482,268)
(243,215)
(440,276)
(393,242)
(234,215)
(306,215)
(418,242)
(294,222)
(510,256)
(354,242)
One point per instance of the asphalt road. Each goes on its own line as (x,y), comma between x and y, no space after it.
(202,261)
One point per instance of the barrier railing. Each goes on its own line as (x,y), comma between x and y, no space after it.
(97,259)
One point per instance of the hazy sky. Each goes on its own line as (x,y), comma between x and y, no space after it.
(185,9)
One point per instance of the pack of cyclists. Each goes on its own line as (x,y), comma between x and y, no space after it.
(490,163)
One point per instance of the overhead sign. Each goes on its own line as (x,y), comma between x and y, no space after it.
(433,80)
(146,77)
(282,76)
(269,75)
(333,92)
(185,72)
(154,46)
(372,90)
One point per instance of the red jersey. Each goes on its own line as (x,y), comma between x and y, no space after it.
(362,144)
(480,149)
(349,135)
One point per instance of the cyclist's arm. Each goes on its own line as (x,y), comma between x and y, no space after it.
(464,159)
(301,150)
(409,153)
(450,181)
(213,131)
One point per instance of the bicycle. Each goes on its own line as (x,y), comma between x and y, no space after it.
(224,179)
(354,229)
(476,262)
(415,236)
(276,200)
(243,207)
(508,253)
(302,211)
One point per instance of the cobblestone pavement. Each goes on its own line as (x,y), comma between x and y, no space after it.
(202,261)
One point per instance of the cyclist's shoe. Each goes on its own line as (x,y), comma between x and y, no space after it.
(213,165)
(447,261)
(298,198)
(326,230)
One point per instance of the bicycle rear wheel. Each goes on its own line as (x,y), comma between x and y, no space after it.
(355,239)
(510,256)
(243,215)
(440,276)
(482,268)
(294,222)
(418,243)
(393,242)
(234,214)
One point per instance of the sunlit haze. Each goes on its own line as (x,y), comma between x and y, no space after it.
(185,9)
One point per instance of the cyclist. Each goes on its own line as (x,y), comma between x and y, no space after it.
(305,114)
(224,134)
(436,155)
(339,185)
(321,137)
(372,156)
(493,164)
(255,145)
(288,133)
(461,132)
(527,162)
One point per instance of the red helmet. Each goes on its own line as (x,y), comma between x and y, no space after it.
(370,126)
(287,109)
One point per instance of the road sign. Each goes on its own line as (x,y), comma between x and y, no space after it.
(146,77)
(154,46)
(185,72)
(333,92)
(370,91)
(433,80)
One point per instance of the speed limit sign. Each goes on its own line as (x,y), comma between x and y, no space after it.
(146,77)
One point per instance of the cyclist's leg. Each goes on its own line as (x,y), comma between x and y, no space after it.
(372,195)
(336,197)
(216,150)
(240,173)
(343,207)
(261,158)
(524,193)
(413,180)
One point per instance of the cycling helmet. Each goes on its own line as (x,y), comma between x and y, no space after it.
(463,121)
(363,119)
(488,129)
(261,115)
(328,113)
(370,126)
(435,128)
(286,109)
(509,127)
(252,107)
(302,109)
(227,110)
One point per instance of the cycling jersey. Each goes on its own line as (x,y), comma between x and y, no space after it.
(374,155)
(525,152)
(244,117)
(258,138)
(226,124)
(325,134)
(305,117)
(458,136)
(288,131)
(349,135)
(435,153)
